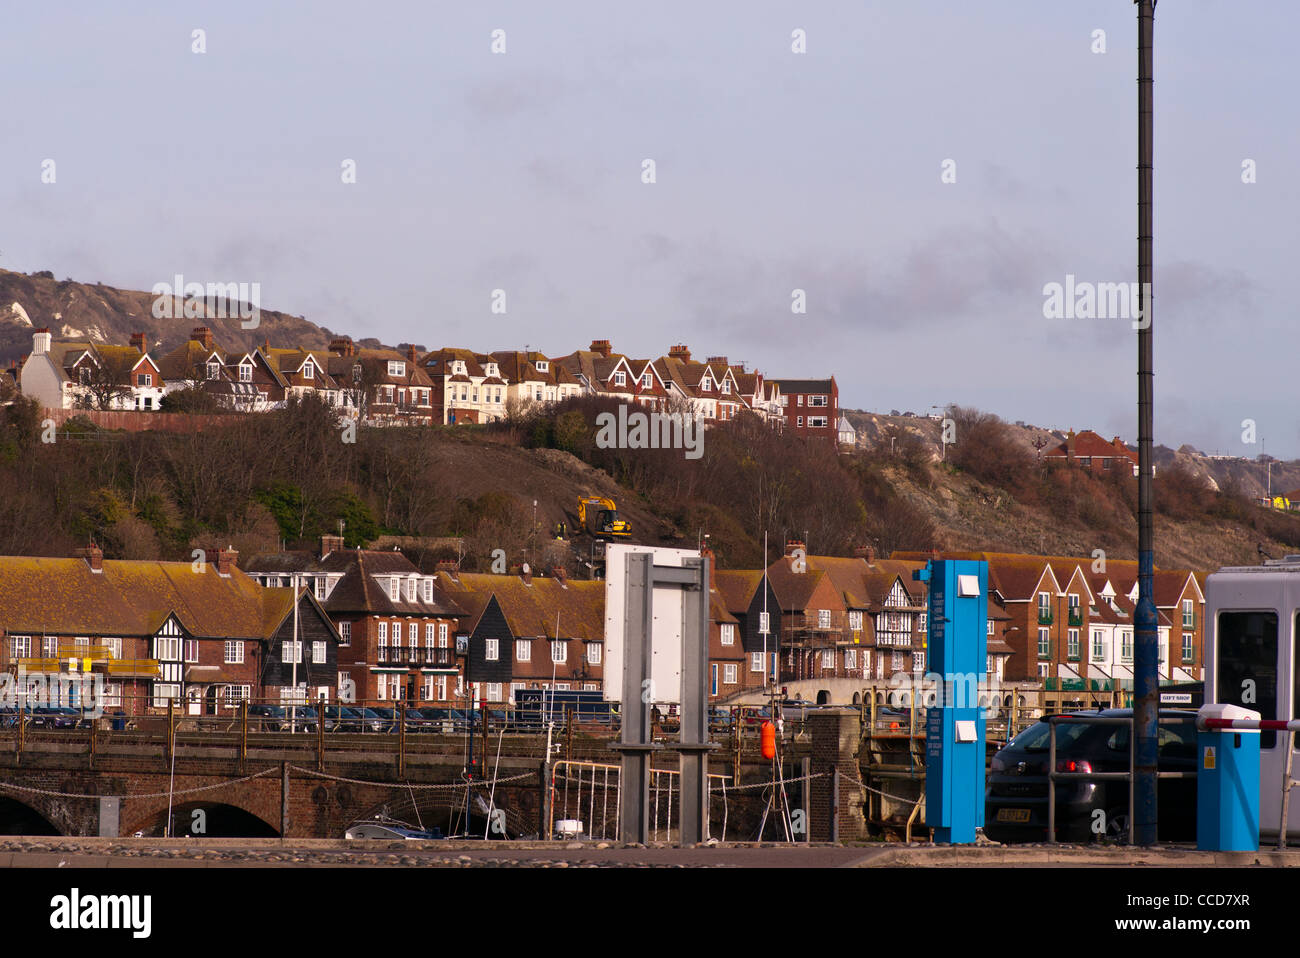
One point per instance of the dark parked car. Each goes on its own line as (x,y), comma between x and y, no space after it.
(58,716)
(267,718)
(1015,805)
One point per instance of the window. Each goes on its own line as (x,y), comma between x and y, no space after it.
(523,650)
(817,400)
(828,658)
(428,634)
(799,400)
(113,695)
(756,661)
(990,632)
(114,647)
(397,633)
(309,370)
(855,621)
(1043,670)
(705,385)
(413,633)
(801,421)
(345,633)
(320,587)
(50,647)
(922,624)
(823,618)
(214,370)
(20,646)
(234,653)
(410,589)
(1044,643)
(729,675)
(146,379)
(1189,615)
(494,691)
(167,647)
(728,636)
(817,422)
(918,661)
(725,385)
(428,590)
(896,661)
(383,633)
(647,381)
(394,588)
(291,651)
(764,623)
(1044,602)
(491,650)
(620,378)
(1126,647)
(396,369)
(442,635)
(319,653)
(559,650)
(1072,643)
(1189,652)
(593,653)
(164,692)
(590,687)
(850,659)
(245,372)
(1098,645)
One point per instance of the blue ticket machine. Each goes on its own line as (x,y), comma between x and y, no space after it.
(957,655)
(1227,782)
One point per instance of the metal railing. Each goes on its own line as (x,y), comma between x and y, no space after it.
(1053,776)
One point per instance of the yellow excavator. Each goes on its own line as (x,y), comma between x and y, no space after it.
(599,516)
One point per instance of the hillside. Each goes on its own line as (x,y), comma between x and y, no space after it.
(105,314)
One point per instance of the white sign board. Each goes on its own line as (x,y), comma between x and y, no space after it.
(666,641)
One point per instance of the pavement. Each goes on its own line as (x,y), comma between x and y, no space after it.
(22,852)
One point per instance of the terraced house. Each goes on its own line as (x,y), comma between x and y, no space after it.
(204,637)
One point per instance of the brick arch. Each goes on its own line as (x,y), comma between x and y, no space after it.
(259,798)
(181,812)
(44,807)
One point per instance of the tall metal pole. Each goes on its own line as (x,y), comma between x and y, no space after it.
(1146,627)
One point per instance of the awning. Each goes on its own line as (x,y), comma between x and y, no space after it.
(1182,675)
(1123,672)
(1095,672)
(1071,681)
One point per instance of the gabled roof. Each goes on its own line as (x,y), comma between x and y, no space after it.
(532,609)
(1088,444)
(364,583)
(737,587)
(133,598)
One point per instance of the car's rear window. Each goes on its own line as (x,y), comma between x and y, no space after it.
(1036,737)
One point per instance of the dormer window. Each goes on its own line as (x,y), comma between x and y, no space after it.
(309,370)
(214,369)
(410,589)
(356,373)
(620,379)
(706,386)
(394,588)
(428,590)
(542,365)
(396,368)
(647,381)
(245,372)
(458,368)
(726,387)
(492,369)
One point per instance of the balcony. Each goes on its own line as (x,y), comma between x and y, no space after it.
(1075,617)
(1045,616)
(417,657)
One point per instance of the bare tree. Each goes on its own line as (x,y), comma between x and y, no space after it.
(108,377)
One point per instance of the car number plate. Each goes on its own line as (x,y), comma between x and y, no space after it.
(1013,814)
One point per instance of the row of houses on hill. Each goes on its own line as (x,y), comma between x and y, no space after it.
(447,386)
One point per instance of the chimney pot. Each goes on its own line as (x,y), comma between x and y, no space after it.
(410,354)
(226,560)
(41,340)
(94,557)
(681,352)
(601,346)
(138,342)
(791,545)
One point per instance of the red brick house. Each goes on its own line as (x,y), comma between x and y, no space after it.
(1089,451)
(811,407)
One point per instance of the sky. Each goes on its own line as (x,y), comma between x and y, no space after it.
(921,172)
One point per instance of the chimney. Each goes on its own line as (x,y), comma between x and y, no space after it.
(720,360)
(707,553)
(527,574)
(560,574)
(226,561)
(94,557)
(330,544)
(1069,444)
(410,354)
(867,553)
(266,345)
(41,340)
(202,334)
(791,545)
(137,342)
(449,566)
(601,346)
(342,346)
(680,352)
